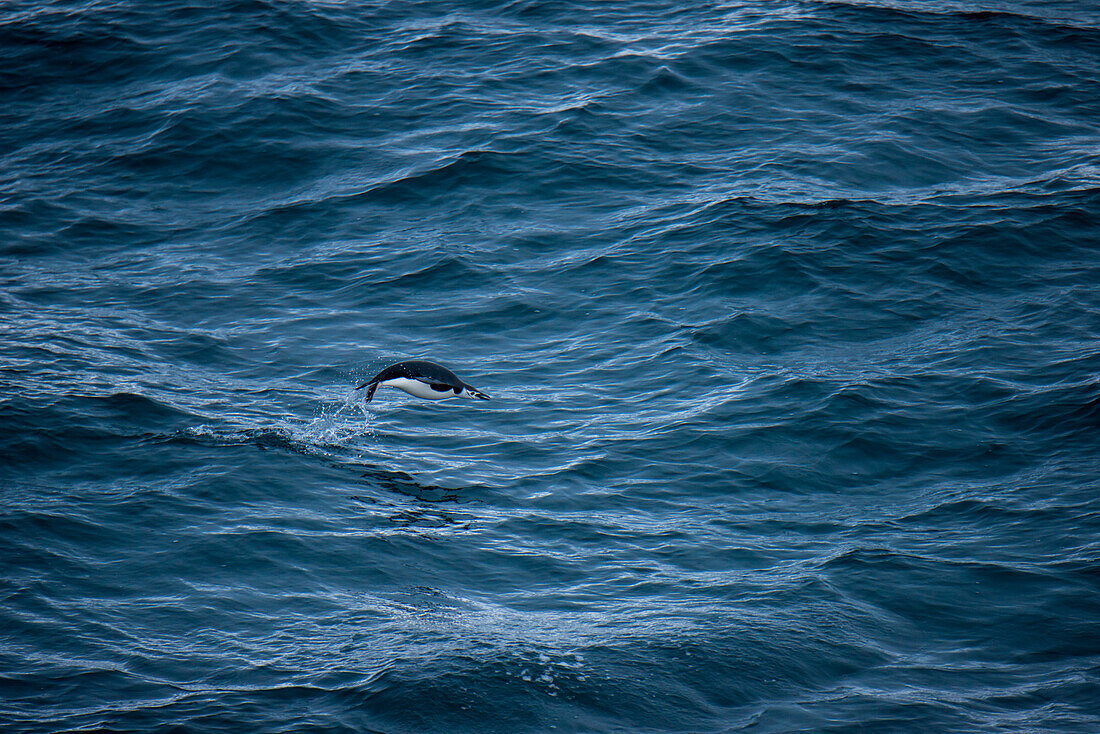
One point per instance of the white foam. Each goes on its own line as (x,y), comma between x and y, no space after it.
(341,424)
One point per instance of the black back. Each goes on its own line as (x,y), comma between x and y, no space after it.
(419,369)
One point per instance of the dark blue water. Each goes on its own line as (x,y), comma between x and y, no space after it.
(789,313)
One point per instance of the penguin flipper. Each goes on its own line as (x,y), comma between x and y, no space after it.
(371,387)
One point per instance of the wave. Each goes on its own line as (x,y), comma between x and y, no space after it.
(786,311)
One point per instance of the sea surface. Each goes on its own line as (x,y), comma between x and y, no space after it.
(788,311)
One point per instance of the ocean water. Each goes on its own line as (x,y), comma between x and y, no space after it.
(788,309)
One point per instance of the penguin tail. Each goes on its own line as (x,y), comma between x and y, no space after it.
(371,387)
(476,393)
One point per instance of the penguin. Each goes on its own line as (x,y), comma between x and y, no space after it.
(422,379)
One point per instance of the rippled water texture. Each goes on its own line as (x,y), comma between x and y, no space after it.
(788,311)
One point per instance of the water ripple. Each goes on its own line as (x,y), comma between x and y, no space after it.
(787,311)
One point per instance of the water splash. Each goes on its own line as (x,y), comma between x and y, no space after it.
(342,424)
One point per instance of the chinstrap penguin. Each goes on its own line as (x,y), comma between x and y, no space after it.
(423,380)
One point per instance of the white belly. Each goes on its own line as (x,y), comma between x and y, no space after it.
(418,388)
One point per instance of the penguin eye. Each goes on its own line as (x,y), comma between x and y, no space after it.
(458,391)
